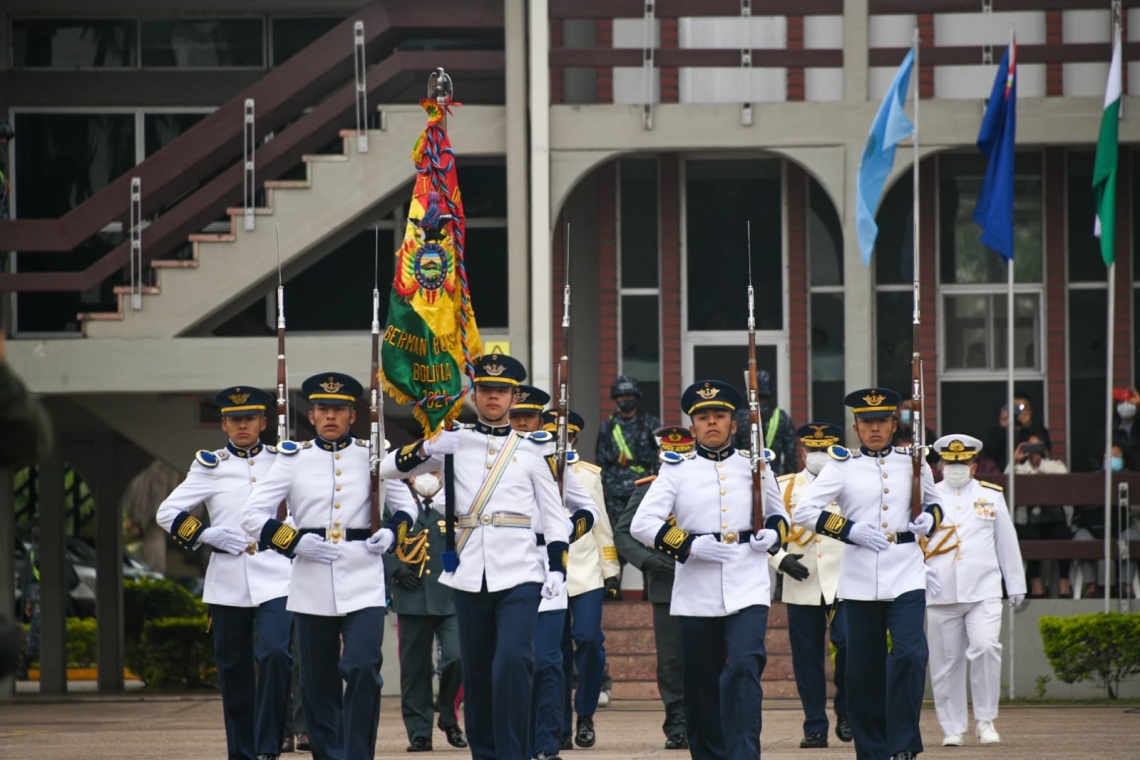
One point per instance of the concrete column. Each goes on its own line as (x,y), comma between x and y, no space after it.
(53,574)
(541,350)
(7,561)
(518,176)
(108,564)
(856,39)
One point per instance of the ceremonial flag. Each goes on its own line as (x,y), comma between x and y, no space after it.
(890,127)
(994,211)
(431,339)
(1104,173)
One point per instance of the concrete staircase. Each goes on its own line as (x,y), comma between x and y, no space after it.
(632,656)
(336,199)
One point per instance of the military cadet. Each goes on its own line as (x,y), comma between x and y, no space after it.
(337,586)
(504,490)
(658,569)
(245,588)
(625,449)
(811,564)
(974,551)
(721,590)
(593,563)
(775,426)
(426,613)
(883,583)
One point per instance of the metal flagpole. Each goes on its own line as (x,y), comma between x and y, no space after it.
(1108,438)
(1011,416)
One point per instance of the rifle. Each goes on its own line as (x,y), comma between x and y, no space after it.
(282,374)
(756,455)
(918,395)
(562,446)
(376,407)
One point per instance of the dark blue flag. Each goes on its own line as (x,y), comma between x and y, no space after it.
(994,211)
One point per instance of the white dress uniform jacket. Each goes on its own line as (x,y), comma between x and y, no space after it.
(507,556)
(976,547)
(821,554)
(711,496)
(328,485)
(234,580)
(875,488)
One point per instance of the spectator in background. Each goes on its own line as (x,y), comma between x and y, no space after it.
(1127,402)
(1041,522)
(1088,524)
(997,444)
(626,450)
(904,432)
(776,428)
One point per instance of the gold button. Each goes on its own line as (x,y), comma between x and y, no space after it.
(427,546)
(819,554)
(251,463)
(818,539)
(488,467)
(338,472)
(886,490)
(720,464)
(958,525)
(337,506)
(722,477)
(884,525)
(882,461)
(253,480)
(885,507)
(724,525)
(337,456)
(491,451)
(723,492)
(427,570)
(336,523)
(338,488)
(884,474)
(724,509)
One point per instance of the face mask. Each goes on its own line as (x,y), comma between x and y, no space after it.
(627,405)
(904,416)
(957,475)
(1126,410)
(427,485)
(815,461)
(1117,464)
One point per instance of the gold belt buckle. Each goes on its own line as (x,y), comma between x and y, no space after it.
(728,538)
(335,535)
(891,537)
(486,518)
(251,548)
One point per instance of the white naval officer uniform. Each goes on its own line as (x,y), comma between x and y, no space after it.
(971,554)
(822,555)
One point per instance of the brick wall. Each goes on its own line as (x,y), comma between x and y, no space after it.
(605,81)
(795,74)
(556,72)
(668,74)
(669,213)
(926,40)
(1054,72)
(928,287)
(557,282)
(1056,303)
(1122,319)
(607,280)
(798,294)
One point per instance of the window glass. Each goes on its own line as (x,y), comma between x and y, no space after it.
(484,190)
(975,331)
(291,35)
(729,363)
(640,354)
(964,259)
(488,275)
(62,159)
(973,407)
(825,236)
(335,293)
(74,44)
(639,259)
(1086,391)
(827,357)
(203,43)
(893,337)
(721,198)
(59,312)
(893,257)
(1086,263)
(163,128)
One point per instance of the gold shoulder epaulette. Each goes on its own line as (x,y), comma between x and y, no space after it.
(785,477)
(993,486)
(590,467)
(643,481)
(361,442)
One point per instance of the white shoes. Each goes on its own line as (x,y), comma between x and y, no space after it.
(604,699)
(953,740)
(987,734)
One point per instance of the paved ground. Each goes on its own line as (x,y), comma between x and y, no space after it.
(190,728)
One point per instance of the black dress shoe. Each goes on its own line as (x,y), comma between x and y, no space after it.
(843,728)
(814,741)
(905,755)
(420,744)
(287,744)
(585,737)
(267,757)
(568,742)
(455,736)
(303,743)
(677,741)
(544,756)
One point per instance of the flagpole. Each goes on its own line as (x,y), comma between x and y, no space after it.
(917,75)
(1011,416)
(1108,438)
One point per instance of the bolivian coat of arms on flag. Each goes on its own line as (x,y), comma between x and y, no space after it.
(431,340)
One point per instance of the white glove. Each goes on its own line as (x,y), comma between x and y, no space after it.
(555,584)
(380,541)
(1015,600)
(711,550)
(447,442)
(933,587)
(864,535)
(922,524)
(313,548)
(763,540)
(227,539)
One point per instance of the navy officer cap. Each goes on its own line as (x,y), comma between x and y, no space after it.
(819,435)
(333,389)
(499,371)
(873,403)
(710,394)
(530,400)
(574,421)
(243,400)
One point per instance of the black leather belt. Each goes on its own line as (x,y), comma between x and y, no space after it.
(348,534)
(730,537)
(906,537)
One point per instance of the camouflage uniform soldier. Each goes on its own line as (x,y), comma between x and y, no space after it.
(626,451)
(775,425)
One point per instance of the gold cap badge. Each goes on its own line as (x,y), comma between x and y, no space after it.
(707,392)
(956,446)
(874,398)
(331,385)
(494,370)
(239,398)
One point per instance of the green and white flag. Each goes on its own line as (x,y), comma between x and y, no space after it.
(1104,174)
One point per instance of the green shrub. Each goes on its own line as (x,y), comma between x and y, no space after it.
(1104,647)
(81,642)
(179,652)
(146,600)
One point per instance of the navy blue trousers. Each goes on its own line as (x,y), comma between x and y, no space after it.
(341,689)
(251,646)
(884,691)
(807,629)
(546,698)
(496,648)
(583,649)
(722,659)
